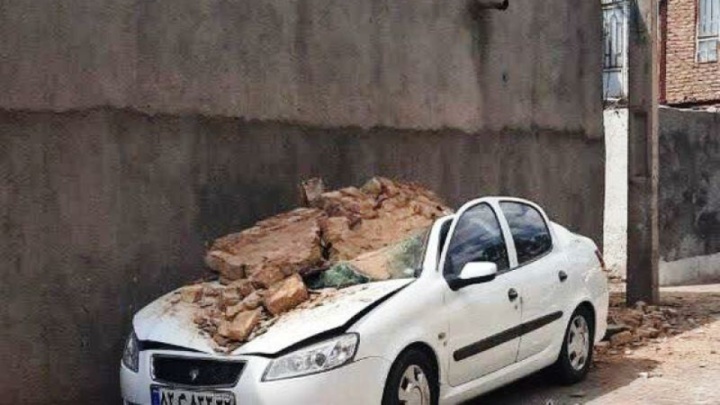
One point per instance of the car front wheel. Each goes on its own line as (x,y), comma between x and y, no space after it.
(576,354)
(412,381)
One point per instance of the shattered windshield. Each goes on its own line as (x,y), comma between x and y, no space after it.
(400,260)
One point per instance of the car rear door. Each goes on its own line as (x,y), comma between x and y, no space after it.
(483,319)
(543,276)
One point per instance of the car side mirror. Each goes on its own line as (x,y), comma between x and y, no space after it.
(474,273)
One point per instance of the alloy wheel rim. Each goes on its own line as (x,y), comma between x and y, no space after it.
(578,343)
(414,387)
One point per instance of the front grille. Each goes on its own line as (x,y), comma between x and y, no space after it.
(196,372)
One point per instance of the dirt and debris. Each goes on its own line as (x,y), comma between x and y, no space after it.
(681,366)
(630,327)
(296,259)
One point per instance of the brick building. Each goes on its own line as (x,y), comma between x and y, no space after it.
(690,70)
(689,63)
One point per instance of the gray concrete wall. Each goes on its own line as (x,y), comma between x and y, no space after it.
(399,63)
(131,133)
(690,195)
(103,210)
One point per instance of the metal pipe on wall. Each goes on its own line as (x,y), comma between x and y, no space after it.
(493,4)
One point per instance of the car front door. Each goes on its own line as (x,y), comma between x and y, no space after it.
(483,319)
(543,277)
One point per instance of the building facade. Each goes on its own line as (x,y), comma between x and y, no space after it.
(689,32)
(689,196)
(690,69)
(615,73)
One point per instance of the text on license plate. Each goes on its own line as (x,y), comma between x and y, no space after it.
(174,396)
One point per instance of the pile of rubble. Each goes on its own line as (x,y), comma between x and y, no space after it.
(355,232)
(634,326)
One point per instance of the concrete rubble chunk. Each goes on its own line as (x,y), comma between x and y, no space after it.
(285,295)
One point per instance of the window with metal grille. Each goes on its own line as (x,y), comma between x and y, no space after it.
(708,30)
(615,26)
(614,33)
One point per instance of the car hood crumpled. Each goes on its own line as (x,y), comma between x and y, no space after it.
(170,323)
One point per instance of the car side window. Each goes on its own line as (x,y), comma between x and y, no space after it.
(444,230)
(477,238)
(529,230)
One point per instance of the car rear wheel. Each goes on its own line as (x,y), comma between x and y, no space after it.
(412,381)
(576,354)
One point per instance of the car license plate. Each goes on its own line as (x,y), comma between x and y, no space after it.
(176,396)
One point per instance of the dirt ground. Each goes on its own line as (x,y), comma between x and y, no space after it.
(682,369)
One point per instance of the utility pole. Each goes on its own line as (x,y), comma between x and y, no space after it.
(643,172)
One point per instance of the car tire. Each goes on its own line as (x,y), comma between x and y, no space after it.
(576,353)
(412,380)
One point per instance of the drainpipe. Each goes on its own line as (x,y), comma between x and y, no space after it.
(493,4)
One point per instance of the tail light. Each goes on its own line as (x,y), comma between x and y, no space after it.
(600,259)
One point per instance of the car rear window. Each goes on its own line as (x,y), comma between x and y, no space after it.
(529,230)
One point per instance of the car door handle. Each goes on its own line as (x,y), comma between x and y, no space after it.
(512,294)
(562,276)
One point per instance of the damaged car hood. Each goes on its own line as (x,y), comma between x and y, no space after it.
(172,323)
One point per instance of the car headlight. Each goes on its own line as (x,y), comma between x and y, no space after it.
(131,354)
(313,359)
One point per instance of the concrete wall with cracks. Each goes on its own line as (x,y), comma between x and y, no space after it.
(689,195)
(131,133)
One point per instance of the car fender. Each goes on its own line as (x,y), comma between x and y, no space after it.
(414,315)
(589,284)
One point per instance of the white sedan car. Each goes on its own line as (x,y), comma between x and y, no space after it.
(499,293)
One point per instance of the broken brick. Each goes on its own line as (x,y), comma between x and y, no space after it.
(231,267)
(191,293)
(621,338)
(233,310)
(230,297)
(244,287)
(240,328)
(273,249)
(285,295)
(354,228)
(253,300)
